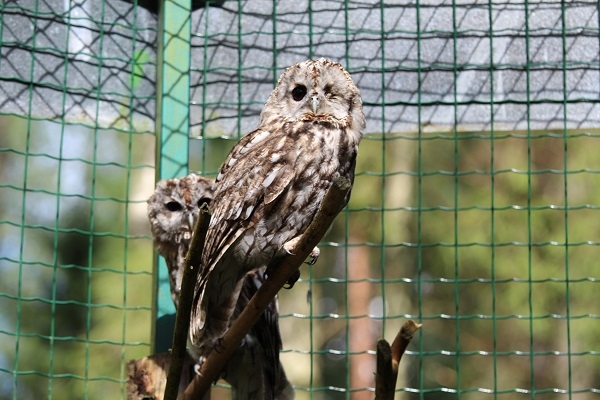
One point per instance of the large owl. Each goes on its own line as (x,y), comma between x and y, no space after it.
(173,210)
(273,182)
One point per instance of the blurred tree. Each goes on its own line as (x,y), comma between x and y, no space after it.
(488,239)
(71,257)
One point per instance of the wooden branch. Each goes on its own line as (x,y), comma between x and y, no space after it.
(186,296)
(388,359)
(281,272)
(402,340)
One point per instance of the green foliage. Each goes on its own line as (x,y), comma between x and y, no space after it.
(506,252)
(76,267)
(488,240)
(140,58)
(496,239)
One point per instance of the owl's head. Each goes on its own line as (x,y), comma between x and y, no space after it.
(320,91)
(174,207)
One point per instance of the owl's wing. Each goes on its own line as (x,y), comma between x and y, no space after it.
(249,180)
(242,189)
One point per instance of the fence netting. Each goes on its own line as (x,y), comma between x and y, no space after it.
(473,211)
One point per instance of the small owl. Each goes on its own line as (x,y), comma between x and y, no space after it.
(173,210)
(273,182)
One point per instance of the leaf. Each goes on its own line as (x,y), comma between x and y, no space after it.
(140,57)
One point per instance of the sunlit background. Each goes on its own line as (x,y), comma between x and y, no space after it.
(473,211)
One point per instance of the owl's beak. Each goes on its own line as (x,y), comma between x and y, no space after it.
(314,102)
(191,221)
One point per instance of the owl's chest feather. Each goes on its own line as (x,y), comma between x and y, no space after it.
(317,157)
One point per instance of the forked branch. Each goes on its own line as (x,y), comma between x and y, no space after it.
(388,359)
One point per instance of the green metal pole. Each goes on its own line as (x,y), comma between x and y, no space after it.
(172,132)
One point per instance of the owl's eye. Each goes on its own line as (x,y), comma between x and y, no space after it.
(299,92)
(174,206)
(204,200)
(328,90)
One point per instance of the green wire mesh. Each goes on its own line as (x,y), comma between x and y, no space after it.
(75,258)
(473,210)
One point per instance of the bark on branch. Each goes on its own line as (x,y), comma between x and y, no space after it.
(186,296)
(388,359)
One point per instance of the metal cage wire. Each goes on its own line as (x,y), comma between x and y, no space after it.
(472,210)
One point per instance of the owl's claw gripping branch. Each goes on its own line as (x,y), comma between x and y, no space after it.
(292,281)
(314,256)
(285,267)
(312,259)
(288,247)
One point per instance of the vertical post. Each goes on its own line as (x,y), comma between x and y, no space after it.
(172,132)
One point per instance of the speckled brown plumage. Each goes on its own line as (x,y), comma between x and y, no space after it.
(273,182)
(173,210)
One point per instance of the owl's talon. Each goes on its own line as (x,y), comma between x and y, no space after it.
(292,281)
(314,256)
(198,366)
(289,246)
